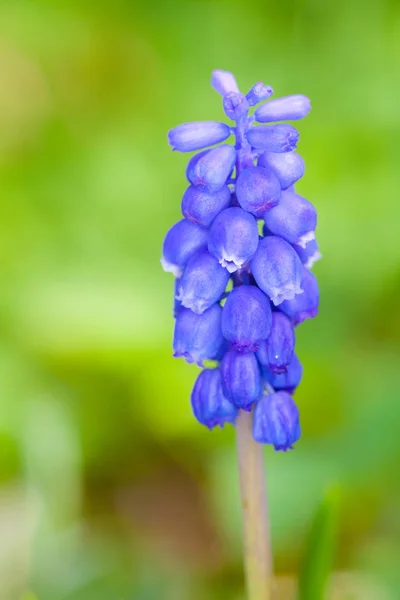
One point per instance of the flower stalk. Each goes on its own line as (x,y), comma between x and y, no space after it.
(256,530)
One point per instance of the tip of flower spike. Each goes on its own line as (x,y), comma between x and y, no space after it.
(171,268)
(224,82)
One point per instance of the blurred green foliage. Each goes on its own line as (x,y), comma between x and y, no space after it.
(108,488)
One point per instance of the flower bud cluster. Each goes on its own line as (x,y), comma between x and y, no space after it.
(240,295)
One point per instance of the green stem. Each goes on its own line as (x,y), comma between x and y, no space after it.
(256,534)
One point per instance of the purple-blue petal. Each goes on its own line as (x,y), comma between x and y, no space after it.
(310,254)
(198,337)
(289,108)
(257,190)
(224,82)
(304,306)
(212,169)
(246,318)
(241,378)
(294,219)
(289,379)
(277,269)
(210,406)
(201,206)
(273,138)
(276,352)
(202,283)
(258,93)
(287,166)
(276,421)
(233,238)
(182,241)
(194,136)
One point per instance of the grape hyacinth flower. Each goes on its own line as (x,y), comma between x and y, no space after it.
(239,295)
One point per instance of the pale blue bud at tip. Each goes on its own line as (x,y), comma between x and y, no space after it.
(241,378)
(212,169)
(276,352)
(289,379)
(198,337)
(246,318)
(202,283)
(257,190)
(304,306)
(310,254)
(287,166)
(273,138)
(290,108)
(235,106)
(294,219)
(182,241)
(276,421)
(194,136)
(210,407)
(258,93)
(201,206)
(233,238)
(224,82)
(277,269)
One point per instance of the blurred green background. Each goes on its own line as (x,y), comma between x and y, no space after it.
(109,490)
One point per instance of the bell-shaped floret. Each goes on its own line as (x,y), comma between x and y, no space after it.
(257,190)
(210,407)
(201,206)
(241,378)
(246,318)
(276,352)
(202,283)
(194,136)
(287,166)
(304,306)
(233,238)
(290,108)
(276,421)
(277,269)
(294,219)
(182,241)
(198,337)
(211,169)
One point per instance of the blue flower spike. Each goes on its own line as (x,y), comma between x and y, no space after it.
(239,296)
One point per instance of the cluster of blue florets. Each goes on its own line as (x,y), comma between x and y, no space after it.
(238,294)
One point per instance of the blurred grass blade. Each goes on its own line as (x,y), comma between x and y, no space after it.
(320,549)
